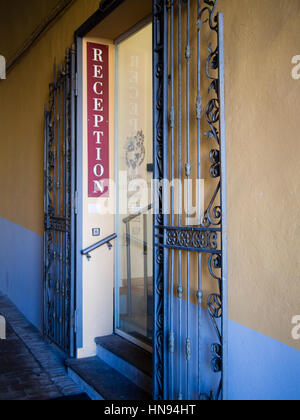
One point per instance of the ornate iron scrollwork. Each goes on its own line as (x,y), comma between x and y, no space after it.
(215,306)
(216,363)
(159,345)
(172,242)
(193,239)
(59,147)
(213,215)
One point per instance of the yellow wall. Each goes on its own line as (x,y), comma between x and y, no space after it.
(262,101)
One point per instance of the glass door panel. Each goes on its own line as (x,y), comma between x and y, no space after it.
(134,282)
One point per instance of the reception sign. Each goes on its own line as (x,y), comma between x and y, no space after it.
(98,119)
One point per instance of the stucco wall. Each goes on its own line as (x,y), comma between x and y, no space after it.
(262,105)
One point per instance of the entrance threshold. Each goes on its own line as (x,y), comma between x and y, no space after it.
(135,341)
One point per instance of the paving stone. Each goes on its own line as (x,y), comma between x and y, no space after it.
(30,369)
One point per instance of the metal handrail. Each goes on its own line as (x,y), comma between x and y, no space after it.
(134,216)
(107,241)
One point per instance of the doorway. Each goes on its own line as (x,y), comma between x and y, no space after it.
(134,158)
(115,283)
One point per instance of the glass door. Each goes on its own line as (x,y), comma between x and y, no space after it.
(134,277)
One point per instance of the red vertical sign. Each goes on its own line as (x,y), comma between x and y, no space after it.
(98,119)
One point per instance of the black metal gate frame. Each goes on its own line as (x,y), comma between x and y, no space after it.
(164,231)
(167,236)
(59,208)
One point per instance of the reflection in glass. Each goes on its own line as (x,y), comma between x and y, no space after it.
(134,312)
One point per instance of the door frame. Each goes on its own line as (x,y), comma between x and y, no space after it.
(123,37)
(79,193)
(160,340)
(106,8)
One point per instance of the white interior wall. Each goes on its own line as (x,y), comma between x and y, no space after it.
(99,272)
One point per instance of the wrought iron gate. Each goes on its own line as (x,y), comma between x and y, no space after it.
(59,207)
(190,267)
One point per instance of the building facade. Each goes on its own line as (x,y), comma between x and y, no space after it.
(150,192)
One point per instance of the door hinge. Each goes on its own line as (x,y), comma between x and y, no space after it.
(76,202)
(75,322)
(76,84)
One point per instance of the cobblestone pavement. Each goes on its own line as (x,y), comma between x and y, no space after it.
(30,369)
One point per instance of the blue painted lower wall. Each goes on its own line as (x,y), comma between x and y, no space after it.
(187,385)
(21,269)
(261,368)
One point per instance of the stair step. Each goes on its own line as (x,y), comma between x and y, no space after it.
(128,359)
(101,382)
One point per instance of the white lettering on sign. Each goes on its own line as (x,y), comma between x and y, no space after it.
(98,72)
(98,110)
(96,88)
(99,187)
(98,134)
(98,55)
(98,170)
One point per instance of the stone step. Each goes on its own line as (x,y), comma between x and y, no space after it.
(101,382)
(128,359)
